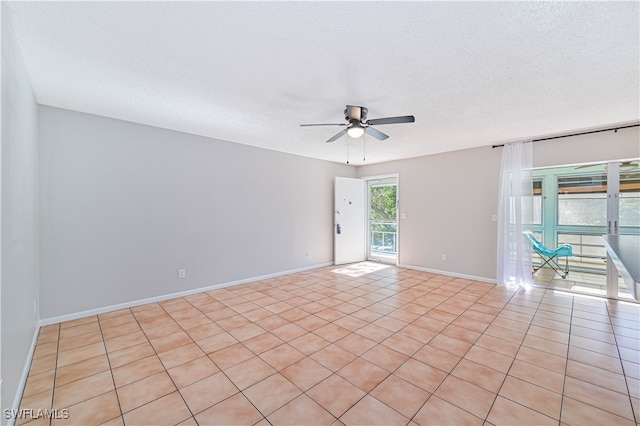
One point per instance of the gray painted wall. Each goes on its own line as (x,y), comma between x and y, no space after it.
(19,210)
(449,198)
(600,147)
(124,206)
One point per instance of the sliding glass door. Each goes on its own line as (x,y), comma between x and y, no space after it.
(579,204)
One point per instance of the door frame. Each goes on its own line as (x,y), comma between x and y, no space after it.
(391,178)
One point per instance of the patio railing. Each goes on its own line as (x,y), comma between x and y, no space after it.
(384,238)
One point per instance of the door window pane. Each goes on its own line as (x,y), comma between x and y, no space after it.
(537,202)
(629,197)
(383,202)
(582,200)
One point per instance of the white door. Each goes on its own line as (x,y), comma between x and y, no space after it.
(349,224)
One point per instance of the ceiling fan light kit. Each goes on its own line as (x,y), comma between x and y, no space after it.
(355,131)
(357,123)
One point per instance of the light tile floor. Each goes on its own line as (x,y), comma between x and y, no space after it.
(362,344)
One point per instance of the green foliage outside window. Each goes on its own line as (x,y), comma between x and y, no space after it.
(383,209)
(383,203)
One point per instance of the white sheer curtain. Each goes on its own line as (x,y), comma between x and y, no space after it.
(515,212)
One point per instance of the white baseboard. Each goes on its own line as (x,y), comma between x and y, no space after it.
(104,309)
(23,378)
(450,274)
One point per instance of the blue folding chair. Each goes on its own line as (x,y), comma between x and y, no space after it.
(549,256)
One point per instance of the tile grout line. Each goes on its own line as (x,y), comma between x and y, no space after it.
(357,357)
(222,369)
(514,358)
(366,393)
(636,416)
(163,366)
(55,374)
(462,357)
(566,364)
(425,344)
(166,371)
(113,380)
(330,343)
(619,358)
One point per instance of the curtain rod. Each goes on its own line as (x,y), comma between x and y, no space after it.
(577,134)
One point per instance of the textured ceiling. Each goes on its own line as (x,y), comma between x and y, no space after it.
(472,73)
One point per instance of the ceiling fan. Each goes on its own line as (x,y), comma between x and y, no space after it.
(357,123)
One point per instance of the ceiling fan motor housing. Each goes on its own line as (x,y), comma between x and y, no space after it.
(355,113)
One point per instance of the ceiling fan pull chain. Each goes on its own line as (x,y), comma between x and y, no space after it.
(364,147)
(347,151)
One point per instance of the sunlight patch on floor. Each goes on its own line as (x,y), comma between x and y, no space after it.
(578,295)
(588,290)
(579,282)
(359,269)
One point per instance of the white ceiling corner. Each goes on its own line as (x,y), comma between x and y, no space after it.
(472,73)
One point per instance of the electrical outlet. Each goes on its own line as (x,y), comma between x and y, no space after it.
(35,307)
(444,257)
(182,273)
(306,254)
(494,218)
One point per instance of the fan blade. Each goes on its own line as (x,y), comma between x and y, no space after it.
(375,133)
(323,124)
(391,120)
(338,135)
